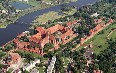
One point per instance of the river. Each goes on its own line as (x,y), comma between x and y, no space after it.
(22,24)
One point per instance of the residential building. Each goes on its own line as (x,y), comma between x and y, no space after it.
(97,71)
(13,59)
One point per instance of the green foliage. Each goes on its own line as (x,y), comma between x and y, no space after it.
(107,58)
(26,71)
(48,46)
(24,38)
(29,56)
(8,47)
(2,54)
(59,64)
(1,66)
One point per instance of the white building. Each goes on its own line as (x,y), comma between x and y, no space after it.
(95,15)
(51,66)
(31,65)
(24,0)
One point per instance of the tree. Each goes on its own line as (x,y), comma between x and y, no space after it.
(59,64)
(1,66)
(48,46)
(77,14)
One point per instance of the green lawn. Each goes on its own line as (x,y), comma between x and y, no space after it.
(41,69)
(101,39)
(53,15)
(48,16)
(31,2)
(113,35)
(65,60)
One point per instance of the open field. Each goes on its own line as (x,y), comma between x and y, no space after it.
(113,35)
(53,15)
(99,41)
(48,16)
(36,3)
(31,2)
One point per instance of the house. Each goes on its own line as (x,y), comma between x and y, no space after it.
(24,0)
(97,71)
(13,59)
(97,21)
(31,65)
(95,15)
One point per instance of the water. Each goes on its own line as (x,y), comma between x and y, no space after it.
(22,24)
(19,5)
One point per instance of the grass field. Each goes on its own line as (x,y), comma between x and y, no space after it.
(48,16)
(100,40)
(113,35)
(53,15)
(65,61)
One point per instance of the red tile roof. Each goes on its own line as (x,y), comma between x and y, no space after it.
(97,21)
(55,28)
(97,71)
(15,57)
(38,35)
(98,27)
(41,30)
(73,22)
(52,37)
(34,39)
(44,41)
(67,33)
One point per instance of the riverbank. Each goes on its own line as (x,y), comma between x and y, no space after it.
(36,6)
(51,16)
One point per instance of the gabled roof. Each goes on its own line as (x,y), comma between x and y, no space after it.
(55,28)
(41,30)
(97,71)
(15,57)
(52,37)
(97,21)
(34,39)
(98,27)
(67,33)
(38,35)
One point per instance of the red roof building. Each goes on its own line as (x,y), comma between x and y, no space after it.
(97,71)
(56,35)
(13,58)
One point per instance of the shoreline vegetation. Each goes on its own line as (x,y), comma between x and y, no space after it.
(52,15)
(35,6)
